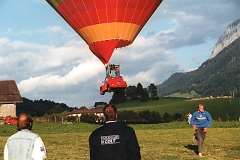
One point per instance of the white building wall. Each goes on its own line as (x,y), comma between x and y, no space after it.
(7,110)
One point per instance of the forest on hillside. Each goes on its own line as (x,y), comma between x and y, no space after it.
(39,107)
(215,77)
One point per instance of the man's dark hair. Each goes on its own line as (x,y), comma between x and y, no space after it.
(24,121)
(110,112)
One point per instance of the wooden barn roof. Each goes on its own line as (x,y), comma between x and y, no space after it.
(9,92)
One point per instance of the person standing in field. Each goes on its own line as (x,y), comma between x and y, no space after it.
(24,145)
(189,116)
(113,141)
(201,120)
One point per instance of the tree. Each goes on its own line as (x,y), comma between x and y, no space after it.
(118,97)
(47,116)
(56,109)
(152,90)
(55,112)
(83,108)
(144,96)
(132,92)
(139,89)
(142,93)
(63,115)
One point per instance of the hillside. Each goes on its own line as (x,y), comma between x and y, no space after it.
(220,108)
(215,77)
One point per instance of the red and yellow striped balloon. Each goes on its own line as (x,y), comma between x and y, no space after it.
(106,24)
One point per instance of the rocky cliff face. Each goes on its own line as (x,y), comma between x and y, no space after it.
(216,76)
(230,34)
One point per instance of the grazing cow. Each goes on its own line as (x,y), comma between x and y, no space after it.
(189,115)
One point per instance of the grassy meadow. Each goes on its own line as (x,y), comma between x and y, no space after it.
(171,141)
(157,141)
(221,108)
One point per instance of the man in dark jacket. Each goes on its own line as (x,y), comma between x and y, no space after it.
(113,141)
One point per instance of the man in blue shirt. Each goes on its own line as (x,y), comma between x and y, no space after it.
(201,120)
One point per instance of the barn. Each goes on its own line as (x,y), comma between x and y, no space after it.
(9,97)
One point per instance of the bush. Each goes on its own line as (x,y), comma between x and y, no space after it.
(88,118)
(167,117)
(155,117)
(126,115)
(151,116)
(71,119)
(177,116)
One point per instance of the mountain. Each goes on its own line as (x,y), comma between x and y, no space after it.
(230,34)
(219,75)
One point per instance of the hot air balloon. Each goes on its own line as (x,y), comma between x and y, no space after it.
(106,24)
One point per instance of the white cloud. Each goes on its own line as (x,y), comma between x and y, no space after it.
(80,74)
(52,30)
(56,31)
(31,57)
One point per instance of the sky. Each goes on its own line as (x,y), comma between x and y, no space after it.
(49,61)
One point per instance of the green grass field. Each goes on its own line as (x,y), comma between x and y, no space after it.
(157,141)
(223,108)
(185,95)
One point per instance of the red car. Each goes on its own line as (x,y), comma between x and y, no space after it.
(10,120)
(113,83)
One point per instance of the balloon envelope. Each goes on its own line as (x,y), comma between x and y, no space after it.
(106,24)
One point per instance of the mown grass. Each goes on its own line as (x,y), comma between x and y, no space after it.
(157,141)
(223,108)
(185,95)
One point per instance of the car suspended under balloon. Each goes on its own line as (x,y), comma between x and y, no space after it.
(113,81)
(106,24)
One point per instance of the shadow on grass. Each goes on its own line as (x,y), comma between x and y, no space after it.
(192,147)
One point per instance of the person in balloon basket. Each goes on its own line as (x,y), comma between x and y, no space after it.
(201,120)
(113,141)
(117,72)
(24,145)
